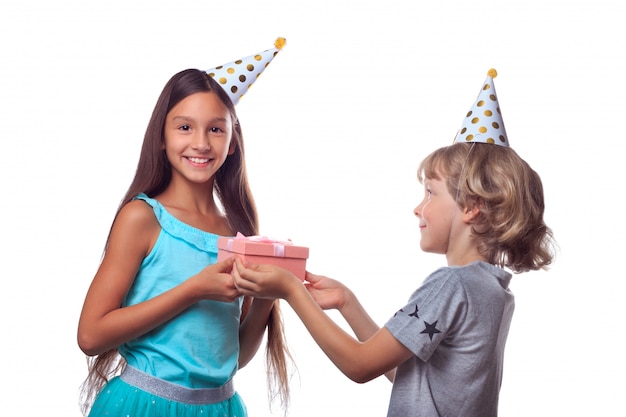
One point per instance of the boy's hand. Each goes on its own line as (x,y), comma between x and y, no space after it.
(263,281)
(327,292)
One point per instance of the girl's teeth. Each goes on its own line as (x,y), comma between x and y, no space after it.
(199,160)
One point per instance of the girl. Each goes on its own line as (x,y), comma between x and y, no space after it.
(159,299)
(483,209)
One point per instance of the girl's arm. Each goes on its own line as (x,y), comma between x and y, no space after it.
(359,361)
(103,323)
(252,329)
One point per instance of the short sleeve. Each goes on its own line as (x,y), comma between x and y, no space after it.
(431,314)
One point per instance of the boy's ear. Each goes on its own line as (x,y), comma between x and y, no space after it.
(470,214)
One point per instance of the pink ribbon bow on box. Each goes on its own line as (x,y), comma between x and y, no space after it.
(279,245)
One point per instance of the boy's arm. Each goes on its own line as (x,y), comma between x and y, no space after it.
(359,361)
(332,294)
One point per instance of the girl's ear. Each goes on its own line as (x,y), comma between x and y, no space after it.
(232,147)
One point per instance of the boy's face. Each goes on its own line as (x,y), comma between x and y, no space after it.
(436,213)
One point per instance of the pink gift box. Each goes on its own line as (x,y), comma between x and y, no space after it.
(265,250)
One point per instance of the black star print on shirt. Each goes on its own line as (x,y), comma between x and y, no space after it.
(430,329)
(413,314)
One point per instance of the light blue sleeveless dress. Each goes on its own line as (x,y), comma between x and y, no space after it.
(185,367)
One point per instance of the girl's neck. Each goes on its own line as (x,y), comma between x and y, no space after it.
(195,207)
(189,196)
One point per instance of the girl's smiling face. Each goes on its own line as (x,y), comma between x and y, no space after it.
(198,132)
(436,214)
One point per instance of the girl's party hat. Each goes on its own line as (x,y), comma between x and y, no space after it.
(237,76)
(483,123)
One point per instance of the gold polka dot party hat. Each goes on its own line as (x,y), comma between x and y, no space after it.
(236,77)
(483,123)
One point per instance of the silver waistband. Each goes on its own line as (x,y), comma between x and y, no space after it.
(177,392)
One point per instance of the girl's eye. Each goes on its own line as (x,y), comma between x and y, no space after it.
(185,128)
(216,130)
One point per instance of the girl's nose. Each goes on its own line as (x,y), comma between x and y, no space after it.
(201,143)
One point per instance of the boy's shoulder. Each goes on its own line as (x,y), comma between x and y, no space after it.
(478,273)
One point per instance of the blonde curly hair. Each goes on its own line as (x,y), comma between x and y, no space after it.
(509,194)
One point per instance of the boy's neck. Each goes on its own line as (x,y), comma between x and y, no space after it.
(464,258)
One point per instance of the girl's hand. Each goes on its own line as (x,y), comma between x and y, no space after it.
(215,282)
(327,292)
(263,281)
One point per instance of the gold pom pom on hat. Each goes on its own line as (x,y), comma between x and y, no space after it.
(483,123)
(236,77)
(280,42)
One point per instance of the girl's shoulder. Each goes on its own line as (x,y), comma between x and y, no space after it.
(137,215)
(145,201)
(134,231)
(153,213)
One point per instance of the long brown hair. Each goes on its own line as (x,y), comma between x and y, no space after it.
(232,188)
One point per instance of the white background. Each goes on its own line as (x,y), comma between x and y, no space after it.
(334,130)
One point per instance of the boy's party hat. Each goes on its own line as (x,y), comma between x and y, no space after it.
(237,76)
(483,123)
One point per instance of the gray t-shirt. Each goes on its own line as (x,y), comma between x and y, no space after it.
(456,323)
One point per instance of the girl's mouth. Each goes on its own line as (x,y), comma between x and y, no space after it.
(198,160)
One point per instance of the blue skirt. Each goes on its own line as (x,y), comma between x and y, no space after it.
(136,394)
